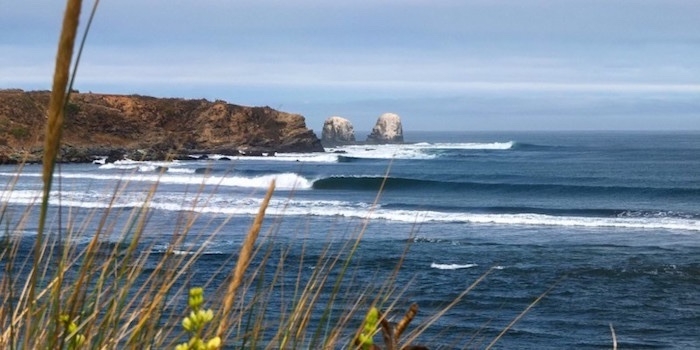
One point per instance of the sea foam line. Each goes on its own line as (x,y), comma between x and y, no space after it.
(230,205)
(316,157)
(284,181)
(452,266)
(414,151)
(528,219)
(467,145)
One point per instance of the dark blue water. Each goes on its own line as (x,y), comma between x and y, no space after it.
(606,225)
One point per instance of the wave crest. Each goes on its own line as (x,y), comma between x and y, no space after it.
(452,266)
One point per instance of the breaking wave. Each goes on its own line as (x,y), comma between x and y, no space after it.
(236,205)
(284,181)
(452,266)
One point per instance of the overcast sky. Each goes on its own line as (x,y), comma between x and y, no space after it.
(441,65)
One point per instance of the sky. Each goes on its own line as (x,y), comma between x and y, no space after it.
(439,64)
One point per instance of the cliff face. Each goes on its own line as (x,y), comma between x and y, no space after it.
(155,128)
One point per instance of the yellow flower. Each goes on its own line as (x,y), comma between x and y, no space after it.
(194,323)
(196,297)
(205,316)
(214,343)
(196,343)
(369,328)
(79,340)
(188,325)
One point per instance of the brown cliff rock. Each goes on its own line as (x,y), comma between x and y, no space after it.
(155,128)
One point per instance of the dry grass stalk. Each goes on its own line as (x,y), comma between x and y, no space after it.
(392,333)
(521,315)
(242,264)
(407,318)
(387,334)
(52,140)
(413,335)
(57,101)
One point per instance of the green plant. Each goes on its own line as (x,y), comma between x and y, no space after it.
(19,132)
(194,324)
(72,108)
(370,327)
(71,337)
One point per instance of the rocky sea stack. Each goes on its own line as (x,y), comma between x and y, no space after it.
(147,128)
(388,129)
(337,131)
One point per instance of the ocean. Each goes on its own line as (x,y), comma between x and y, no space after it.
(605,226)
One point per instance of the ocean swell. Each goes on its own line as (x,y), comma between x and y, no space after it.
(374,183)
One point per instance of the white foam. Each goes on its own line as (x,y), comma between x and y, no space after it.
(284,181)
(527,219)
(181,170)
(128,164)
(414,151)
(76,199)
(187,249)
(307,157)
(190,252)
(452,266)
(218,204)
(317,157)
(363,210)
(147,168)
(473,145)
(280,205)
(402,151)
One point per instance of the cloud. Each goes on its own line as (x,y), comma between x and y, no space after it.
(520,111)
(314,55)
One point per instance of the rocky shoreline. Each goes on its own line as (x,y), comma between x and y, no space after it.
(147,128)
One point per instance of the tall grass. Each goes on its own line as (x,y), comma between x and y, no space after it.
(116,294)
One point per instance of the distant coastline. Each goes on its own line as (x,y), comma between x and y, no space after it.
(147,128)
